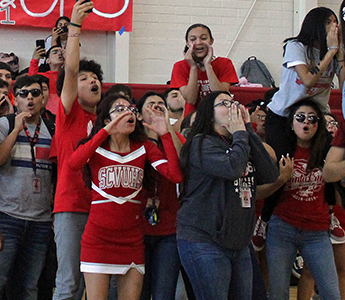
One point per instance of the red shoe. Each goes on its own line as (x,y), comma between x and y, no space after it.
(336,231)
(259,237)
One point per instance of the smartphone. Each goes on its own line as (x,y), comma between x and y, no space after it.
(64,29)
(40,43)
(88,11)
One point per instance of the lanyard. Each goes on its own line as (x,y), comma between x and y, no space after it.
(33,141)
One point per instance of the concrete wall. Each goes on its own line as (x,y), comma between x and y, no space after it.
(158,33)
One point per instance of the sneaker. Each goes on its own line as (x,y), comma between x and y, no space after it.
(297,267)
(336,231)
(259,237)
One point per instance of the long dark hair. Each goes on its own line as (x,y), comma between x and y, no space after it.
(314,30)
(342,20)
(203,125)
(318,141)
(138,135)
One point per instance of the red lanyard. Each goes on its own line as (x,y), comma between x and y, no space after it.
(33,142)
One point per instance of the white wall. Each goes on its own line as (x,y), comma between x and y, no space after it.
(158,33)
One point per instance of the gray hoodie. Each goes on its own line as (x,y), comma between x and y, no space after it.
(219,199)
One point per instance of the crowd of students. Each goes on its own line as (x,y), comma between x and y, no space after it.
(122,196)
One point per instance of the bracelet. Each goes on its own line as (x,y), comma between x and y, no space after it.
(327,48)
(75,25)
(73,35)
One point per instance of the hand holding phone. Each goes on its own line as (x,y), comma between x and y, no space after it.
(40,43)
(88,11)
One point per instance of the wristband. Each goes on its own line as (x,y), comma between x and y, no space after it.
(75,25)
(327,48)
(73,35)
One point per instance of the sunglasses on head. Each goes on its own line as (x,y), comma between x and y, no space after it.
(123,108)
(24,93)
(312,119)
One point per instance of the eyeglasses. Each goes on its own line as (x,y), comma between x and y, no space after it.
(261,117)
(122,108)
(24,93)
(333,123)
(227,103)
(312,119)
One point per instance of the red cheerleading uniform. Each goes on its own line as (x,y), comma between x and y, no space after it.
(112,242)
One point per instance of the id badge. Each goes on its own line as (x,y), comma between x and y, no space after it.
(246,195)
(37,185)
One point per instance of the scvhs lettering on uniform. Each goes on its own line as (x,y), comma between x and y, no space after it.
(116,176)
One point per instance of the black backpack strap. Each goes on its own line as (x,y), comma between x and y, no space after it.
(50,125)
(11,121)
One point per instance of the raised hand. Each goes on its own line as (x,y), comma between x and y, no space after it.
(19,121)
(6,107)
(245,114)
(333,38)
(158,122)
(286,165)
(39,53)
(80,11)
(208,58)
(112,127)
(189,55)
(236,122)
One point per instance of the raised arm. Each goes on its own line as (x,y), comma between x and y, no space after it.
(310,77)
(334,168)
(84,152)
(215,84)
(72,56)
(191,90)
(36,56)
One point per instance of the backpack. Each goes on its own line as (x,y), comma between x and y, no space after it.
(12,60)
(255,71)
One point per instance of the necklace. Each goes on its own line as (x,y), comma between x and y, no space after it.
(224,139)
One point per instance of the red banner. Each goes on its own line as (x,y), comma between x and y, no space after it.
(111,15)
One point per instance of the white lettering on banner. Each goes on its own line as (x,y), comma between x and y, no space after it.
(40,15)
(114,15)
(52,7)
(5,6)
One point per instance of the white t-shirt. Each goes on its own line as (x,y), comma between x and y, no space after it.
(291,88)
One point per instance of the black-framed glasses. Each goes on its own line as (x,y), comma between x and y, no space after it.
(24,93)
(333,123)
(122,108)
(227,103)
(312,119)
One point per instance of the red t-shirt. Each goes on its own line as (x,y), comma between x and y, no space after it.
(71,193)
(302,203)
(222,67)
(168,205)
(53,102)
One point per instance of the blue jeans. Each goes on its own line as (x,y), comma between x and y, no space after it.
(212,268)
(162,266)
(282,243)
(68,228)
(21,261)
